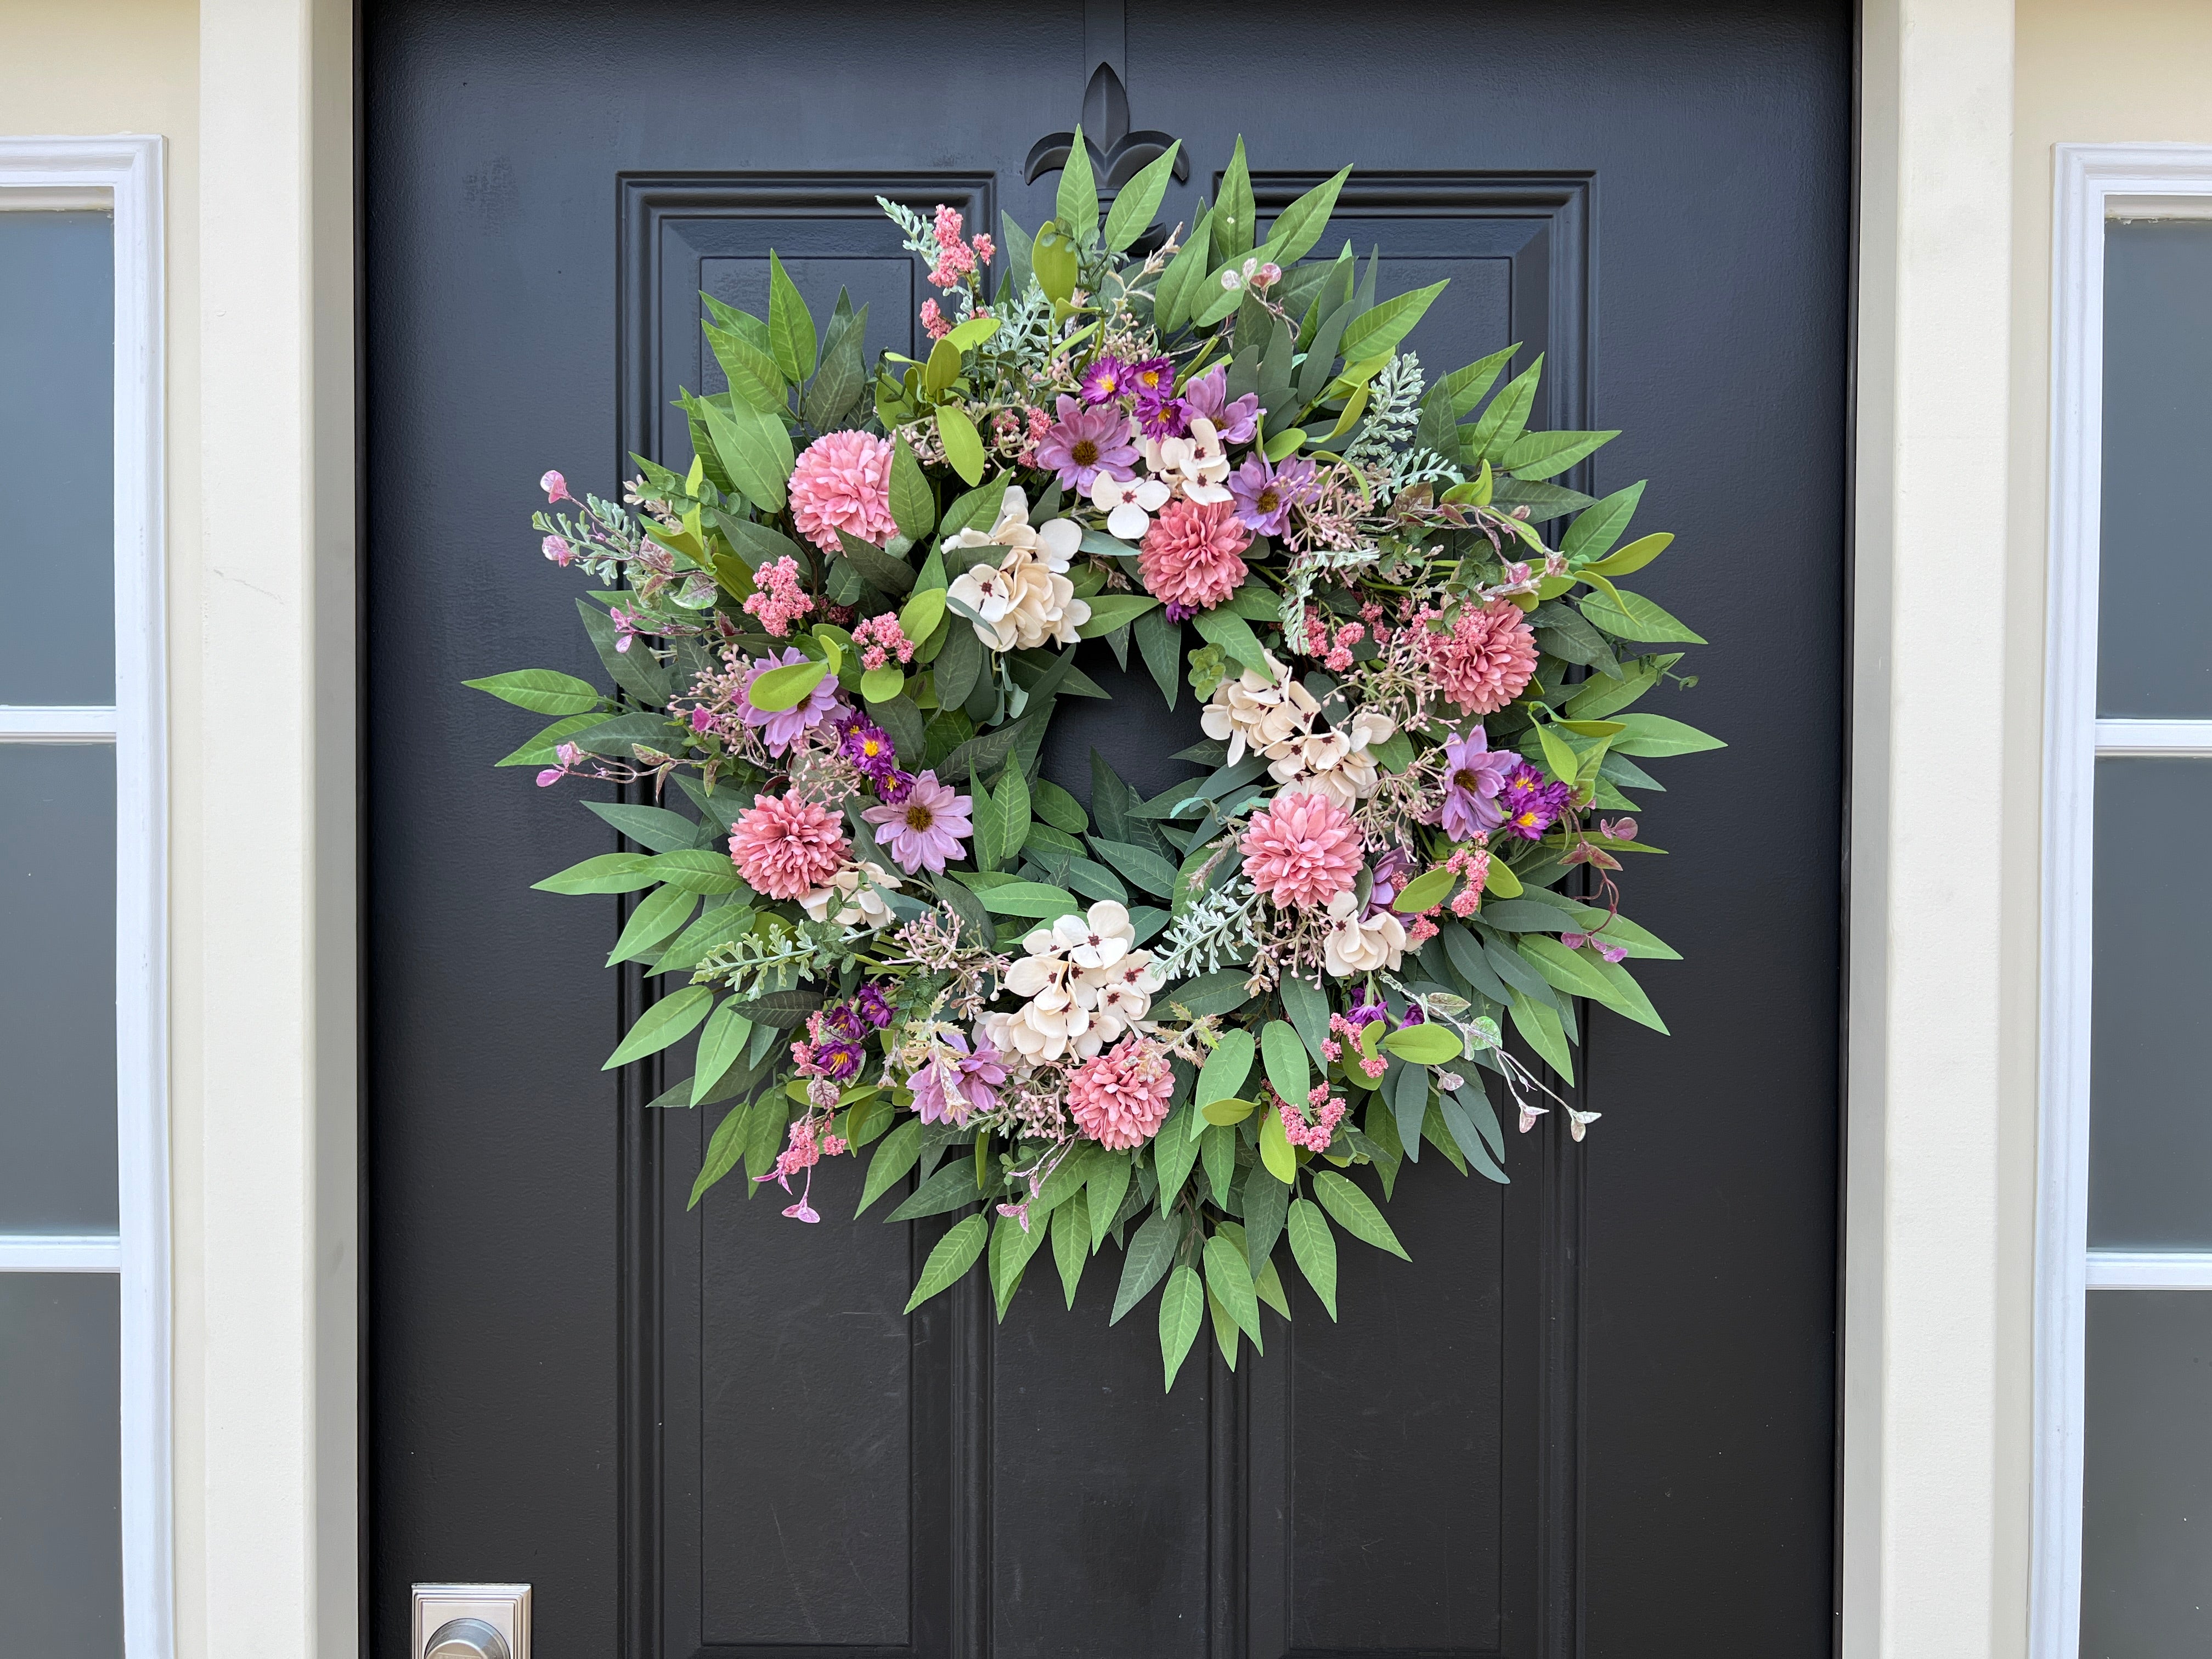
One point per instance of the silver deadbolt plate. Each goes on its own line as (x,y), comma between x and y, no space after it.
(471,1621)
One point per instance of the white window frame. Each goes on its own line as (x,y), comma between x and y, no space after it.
(2095,185)
(122,175)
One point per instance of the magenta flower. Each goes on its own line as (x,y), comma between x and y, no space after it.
(783,726)
(926,828)
(1207,395)
(1152,377)
(1160,415)
(872,1005)
(1532,805)
(960,1081)
(1084,442)
(1265,495)
(1105,380)
(868,746)
(1474,778)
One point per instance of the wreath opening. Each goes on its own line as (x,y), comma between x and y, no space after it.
(1210,1024)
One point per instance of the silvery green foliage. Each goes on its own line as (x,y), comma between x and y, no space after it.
(1221,929)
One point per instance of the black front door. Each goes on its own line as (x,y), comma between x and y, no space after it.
(1595,1415)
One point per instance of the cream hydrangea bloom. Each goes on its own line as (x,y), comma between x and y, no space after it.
(1084,983)
(1339,765)
(1375,944)
(1025,599)
(1252,711)
(857,891)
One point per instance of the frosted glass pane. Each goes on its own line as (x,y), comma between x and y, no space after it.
(57,988)
(2155,655)
(2146,1476)
(2150,1094)
(57,457)
(61,1538)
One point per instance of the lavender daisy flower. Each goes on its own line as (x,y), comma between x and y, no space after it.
(1207,395)
(782,727)
(1474,777)
(868,746)
(1105,380)
(958,1081)
(1160,415)
(873,1005)
(1084,442)
(1265,495)
(926,828)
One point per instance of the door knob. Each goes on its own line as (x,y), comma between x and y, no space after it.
(467,1639)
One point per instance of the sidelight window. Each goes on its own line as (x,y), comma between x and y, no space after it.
(2124,1373)
(84,1293)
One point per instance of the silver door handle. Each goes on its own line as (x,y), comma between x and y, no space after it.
(467,1639)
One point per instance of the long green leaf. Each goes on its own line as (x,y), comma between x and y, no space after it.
(1377,333)
(1597,527)
(1226,1067)
(609,872)
(1076,207)
(1313,1246)
(1655,734)
(1234,230)
(1285,1056)
(1355,1213)
(1147,869)
(914,503)
(542,690)
(1160,643)
(1628,615)
(1011,1247)
(720,1046)
(893,1158)
(1228,1276)
(964,445)
(1300,225)
(723,1151)
(1548,454)
(1182,1309)
(657,919)
(668,1021)
(1140,199)
(1070,1242)
(755,450)
(1152,1252)
(955,1254)
(791,338)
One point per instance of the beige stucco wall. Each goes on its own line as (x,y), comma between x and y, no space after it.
(2087,71)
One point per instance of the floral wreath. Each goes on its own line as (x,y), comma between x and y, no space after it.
(1186,1023)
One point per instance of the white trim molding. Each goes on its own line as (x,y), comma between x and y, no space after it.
(2093,184)
(123,174)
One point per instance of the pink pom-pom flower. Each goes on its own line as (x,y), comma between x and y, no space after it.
(1486,659)
(786,845)
(1302,851)
(1120,1098)
(842,481)
(1190,555)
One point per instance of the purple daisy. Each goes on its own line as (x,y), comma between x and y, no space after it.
(959,1082)
(1084,442)
(873,1005)
(1474,776)
(1265,495)
(1532,804)
(868,746)
(1105,380)
(1161,415)
(1207,395)
(782,727)
(926,828)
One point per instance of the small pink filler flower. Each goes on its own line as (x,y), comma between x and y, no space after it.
(1487,657)
(1190,553)
(1120,1098)
(1302,851)
(843,481)
(926,828)
(786,845)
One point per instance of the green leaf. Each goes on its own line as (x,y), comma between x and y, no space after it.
(1559,755)
(542,690)
(1173,1150)
(1111,610)
(1057,807)
(787,687)
(720,1045)
(1540,1027)
(893,1158)
(1655,734)
(963,446)
(958,665)
(918,616)
(1182,1309)
(1070,1242)
(1286,1056)
(882,684)
(1075,210)
(1377,333)
(914,503)
(1265,1203)
(1108,1183)
(1179,282)
(949,1188)
(1313,1246)
(1210,993)
(654,827)
(657,920)
(1152,1252)
(1424,892)
(1227,1111)
(1502,422)
(755,450)
(955,1254)
(1226,1067)
(1140,199)
(1011,1247)
(1628,615)
(1235,636)
(1275,1153)
(541,751)
(1217,1149)
(1628,999)
(1634,556)
(717,926)
(1598,527)
(697,869)
(1408,1087)
(791,338)
(1546,454)
(1425,1045)
(1599,698)
(1030,898)
(764,1132)
(1307,1004)
(752,373)
(609,872)
(877,568)
(1300,225)
(671,1018)
(1151,872)
(616,736)
(1228,1276)
(723,1151)
(1235,226)
(1355,1213)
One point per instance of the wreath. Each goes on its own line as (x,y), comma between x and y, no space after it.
(1202,1024)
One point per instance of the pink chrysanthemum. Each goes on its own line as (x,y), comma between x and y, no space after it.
(786,845)
(843,481)
(1190,553)
(1302,851)
(1486,659)
(1120,1098)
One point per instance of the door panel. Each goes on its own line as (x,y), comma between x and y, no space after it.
(1594,1414)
